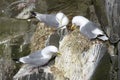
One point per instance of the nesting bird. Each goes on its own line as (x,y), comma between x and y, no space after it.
(40,57)
(59,20)
(88,28)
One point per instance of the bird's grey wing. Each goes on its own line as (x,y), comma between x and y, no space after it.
(37,61)
(50,20)
(97,29)
(36,54)
(92,24)
(100,34)
(87,31)
(92,31)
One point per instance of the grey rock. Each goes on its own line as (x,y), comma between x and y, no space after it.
(108,15)
(28,72)
(81,58)
(53,39)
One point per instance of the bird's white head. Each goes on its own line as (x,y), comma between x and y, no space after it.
(50,50)
(62,19)
(79,21)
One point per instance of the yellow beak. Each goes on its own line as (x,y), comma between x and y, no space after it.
(58,53)
(73,27)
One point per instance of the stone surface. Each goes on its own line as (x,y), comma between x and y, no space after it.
(10,26)
(118,61)
(81,57)
(40,36)
(79,60)
(9,49)
(113,15)
(108,14)
(19,9)
(106,11)
(27,72)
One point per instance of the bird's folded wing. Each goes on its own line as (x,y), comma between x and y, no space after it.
(36,54)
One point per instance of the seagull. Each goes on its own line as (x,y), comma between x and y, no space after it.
(40,57)
(59,20)
(88,28)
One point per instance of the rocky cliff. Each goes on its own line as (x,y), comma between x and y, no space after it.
(81,58)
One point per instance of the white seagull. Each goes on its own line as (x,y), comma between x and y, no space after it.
(59,20)
(88,28)
(40,57)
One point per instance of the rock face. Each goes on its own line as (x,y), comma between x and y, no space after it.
(9,49)
(80,57)
(40,36)
(79,60)
(108,12)
(28,73)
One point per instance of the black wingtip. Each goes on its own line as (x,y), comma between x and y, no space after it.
(15,59)
(33,13)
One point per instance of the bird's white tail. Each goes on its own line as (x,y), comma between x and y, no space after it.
(104,37)
(22,60)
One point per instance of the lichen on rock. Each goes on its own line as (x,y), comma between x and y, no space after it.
(40,36)
(80,56)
